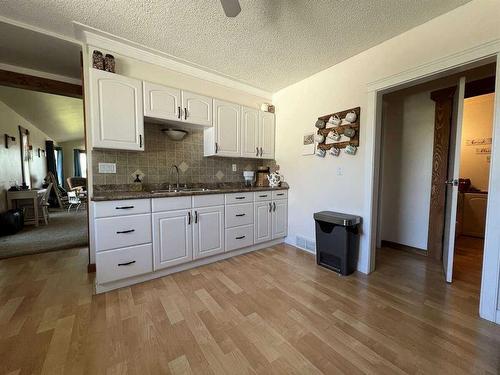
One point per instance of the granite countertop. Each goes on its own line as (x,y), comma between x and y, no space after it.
(120,192)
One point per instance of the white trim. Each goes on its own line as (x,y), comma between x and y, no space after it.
(488,303)
(116,44)
(497,318)
(441,65)
(41,74)
(466,59)
(101,288)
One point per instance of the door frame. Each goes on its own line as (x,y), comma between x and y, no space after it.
(456,63)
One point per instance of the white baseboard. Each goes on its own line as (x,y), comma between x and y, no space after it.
(497,318)
(101,288)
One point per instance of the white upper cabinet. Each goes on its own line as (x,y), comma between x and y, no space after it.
(227,128)
(162,102)
(196,109)
(116,111)
(249,132)
(266,135)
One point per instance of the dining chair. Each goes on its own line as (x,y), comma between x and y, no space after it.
(43,204)
(73,200)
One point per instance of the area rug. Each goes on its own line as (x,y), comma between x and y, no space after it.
(66,230)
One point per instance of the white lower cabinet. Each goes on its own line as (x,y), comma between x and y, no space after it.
(280,218)
(208,231)
(172,238)
(263,224)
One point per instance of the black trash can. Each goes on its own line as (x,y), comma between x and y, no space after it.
(337,240)
(11,222)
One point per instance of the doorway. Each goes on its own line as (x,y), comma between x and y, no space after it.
(421,148)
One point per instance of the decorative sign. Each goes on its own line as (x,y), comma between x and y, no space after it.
(478,141)
(308,146)
(483,150)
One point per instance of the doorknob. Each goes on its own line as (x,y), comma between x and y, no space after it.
(453,182)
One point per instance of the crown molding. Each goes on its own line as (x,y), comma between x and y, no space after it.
(110,42)
(470,56)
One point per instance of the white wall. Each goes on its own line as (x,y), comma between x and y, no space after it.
(406,174)
(314,182)
(477,123)
(10,159)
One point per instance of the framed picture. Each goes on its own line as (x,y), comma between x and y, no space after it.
(308,145)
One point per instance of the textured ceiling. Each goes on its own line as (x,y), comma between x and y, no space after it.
(60,117)
(29,49)
(270,44)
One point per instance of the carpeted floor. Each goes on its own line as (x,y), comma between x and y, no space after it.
(65,231)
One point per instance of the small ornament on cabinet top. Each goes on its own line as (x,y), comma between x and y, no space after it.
(109,63)
(97,60)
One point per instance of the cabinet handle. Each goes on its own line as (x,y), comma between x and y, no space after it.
(280,194)
(261,152)
(196,217)
(127,263)
(240,237)
(263,196)
(185,113)
(140,140)
(124,207)
(125,231)
(257,154)
(179,112)
(274,206)
(239,198)
(270,207)
(189,217)
(239,215)
(216,147)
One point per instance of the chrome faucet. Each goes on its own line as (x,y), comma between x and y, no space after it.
(176,169)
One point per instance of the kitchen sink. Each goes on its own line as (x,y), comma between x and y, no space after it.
(181,190)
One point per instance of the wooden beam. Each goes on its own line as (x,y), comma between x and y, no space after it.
(27,82)
(480,87)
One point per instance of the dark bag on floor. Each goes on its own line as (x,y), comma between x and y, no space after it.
(11,222)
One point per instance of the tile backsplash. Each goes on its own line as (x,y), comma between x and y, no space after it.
(160,153)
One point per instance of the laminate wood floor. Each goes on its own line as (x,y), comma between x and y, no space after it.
(268,312)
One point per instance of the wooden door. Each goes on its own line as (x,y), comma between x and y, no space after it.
(262,222)
(280,218)
(442,127)
(162,102)
(196,108)
(266,135)
(249,133)
(172,238)
(208,235)
(452,183)
(227,128)
(117,117)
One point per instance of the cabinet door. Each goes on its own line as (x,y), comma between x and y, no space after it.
(280,218)
(262,222)
(227,128)
(208,235)
(249,133)
(162,102)
(196,109)
(117,115)
(266,134)
(172,238)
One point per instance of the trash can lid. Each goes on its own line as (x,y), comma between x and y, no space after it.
(337,218)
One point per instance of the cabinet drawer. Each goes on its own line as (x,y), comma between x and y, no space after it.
(172,203)
(239,214)
(239,198)
(260,196)
(115,232)
(239,237)
(280,194)
(122,263)
(208,200)
(122,207)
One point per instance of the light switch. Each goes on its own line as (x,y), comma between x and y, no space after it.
(107,167)
(340,172)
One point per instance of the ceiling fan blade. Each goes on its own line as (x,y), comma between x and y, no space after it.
(231,7)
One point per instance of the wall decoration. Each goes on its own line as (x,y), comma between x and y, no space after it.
(483,150)
(347,130)
(321,153)
(351,150)
(308,147)
(478,141)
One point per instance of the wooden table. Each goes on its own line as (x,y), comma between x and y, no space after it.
(32,194)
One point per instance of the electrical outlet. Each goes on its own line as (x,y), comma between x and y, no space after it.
(107,167)
(235,168)
(340,172)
